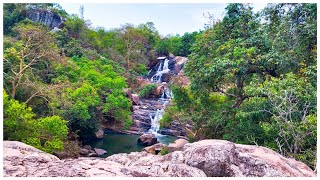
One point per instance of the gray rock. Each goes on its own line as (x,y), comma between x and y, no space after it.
(100,151)
(45,16)
(147,139)
(87,147)
(92,154)
(84,152)
(203,158)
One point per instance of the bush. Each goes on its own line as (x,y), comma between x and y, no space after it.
(145,91)
(164,151)
(19,124)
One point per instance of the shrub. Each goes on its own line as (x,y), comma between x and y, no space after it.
(164,151)
(19,124)
(145,91)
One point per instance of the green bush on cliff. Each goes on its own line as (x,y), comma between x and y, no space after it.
(145,91)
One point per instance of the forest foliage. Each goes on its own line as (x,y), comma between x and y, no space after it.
(253,77)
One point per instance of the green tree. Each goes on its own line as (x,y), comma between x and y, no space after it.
(20,124)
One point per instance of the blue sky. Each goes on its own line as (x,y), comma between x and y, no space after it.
(168,18)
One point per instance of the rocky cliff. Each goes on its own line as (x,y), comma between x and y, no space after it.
(203,158)
(46,17)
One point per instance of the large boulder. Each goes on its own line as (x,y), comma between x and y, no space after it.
(147,139)
(203,158)
(224,158)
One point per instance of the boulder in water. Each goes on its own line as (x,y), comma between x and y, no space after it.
(147,139)
(166,77)
(100,151)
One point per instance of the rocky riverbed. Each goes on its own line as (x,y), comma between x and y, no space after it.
(204,158)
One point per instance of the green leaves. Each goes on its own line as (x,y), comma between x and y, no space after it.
(20,124)
(147,89)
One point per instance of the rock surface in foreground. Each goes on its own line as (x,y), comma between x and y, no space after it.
(203,158)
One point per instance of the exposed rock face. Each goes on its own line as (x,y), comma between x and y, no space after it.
(147,139)
(141,115)
(180,62)
(224,158)
(46,17)
(203,158)
(175,129)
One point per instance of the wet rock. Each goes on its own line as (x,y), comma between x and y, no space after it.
(84,152)
(100,134)
(88,147)
(147,139)
(166,77)
(100,152)
(159,91)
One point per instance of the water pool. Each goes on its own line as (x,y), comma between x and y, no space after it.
(115,143)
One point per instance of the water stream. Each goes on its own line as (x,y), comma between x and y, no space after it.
(162,69)
(115,142)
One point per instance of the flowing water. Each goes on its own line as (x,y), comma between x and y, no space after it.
(162,69)
(115,142)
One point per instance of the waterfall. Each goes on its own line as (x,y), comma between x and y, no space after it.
(163,68)
(158,115)
(155,121)
(166,94)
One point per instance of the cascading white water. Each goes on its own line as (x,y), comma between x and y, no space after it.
(155,121)
(163,68)
(165,97)
(166,94)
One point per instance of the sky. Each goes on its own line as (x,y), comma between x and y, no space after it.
(168,18)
